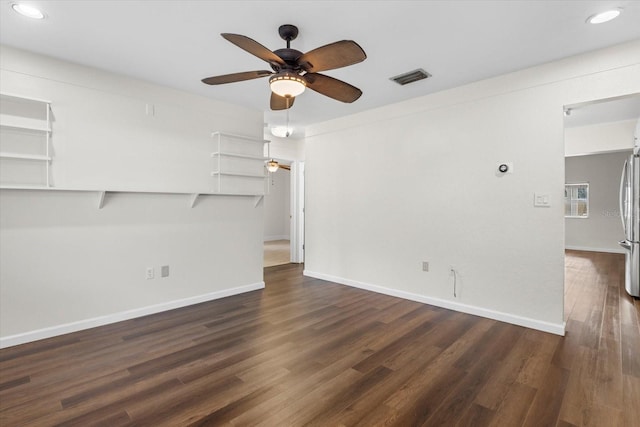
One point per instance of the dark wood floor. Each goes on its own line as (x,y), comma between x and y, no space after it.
(308,352)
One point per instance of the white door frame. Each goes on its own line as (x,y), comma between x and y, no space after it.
(297,212)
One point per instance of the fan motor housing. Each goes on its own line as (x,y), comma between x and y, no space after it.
(290,56)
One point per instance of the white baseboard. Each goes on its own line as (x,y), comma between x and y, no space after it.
(280,237)
(11,340)
(554,328)
(589,249)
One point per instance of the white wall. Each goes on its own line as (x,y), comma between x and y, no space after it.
(64,263)
(416,181)
(291,149)
(599,138)
(602,230)
(277,209)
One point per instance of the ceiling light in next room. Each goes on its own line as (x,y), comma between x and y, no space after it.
(272,165)
(28,11)
(602,17)
(281,131)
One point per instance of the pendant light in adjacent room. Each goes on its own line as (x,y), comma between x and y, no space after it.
(272,165)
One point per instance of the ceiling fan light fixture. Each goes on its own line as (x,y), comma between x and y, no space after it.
(28,11)
(272,165)
(606,16)
(287,84)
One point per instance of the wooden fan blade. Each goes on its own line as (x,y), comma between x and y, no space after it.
(236,77)
(285,167)
(280,102)
(333,88)
(254,48)
(331,56)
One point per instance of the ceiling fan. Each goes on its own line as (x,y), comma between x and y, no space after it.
(293,71)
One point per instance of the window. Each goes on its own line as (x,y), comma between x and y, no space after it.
(576,200)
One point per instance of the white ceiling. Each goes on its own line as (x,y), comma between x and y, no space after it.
(177,43)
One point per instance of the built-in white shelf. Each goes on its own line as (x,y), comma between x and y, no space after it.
(24,123)
(238,161)
(240,156)
(244,175)
(29,121)
(39,157)
(24,187)
(102,194)
(241,137)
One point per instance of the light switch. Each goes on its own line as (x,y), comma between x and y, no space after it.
(541,200)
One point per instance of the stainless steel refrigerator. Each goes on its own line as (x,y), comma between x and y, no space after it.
(630,213)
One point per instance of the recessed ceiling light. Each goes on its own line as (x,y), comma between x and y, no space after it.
(28,11)
(607,16)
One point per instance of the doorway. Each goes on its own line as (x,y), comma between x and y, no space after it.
(277,218)
(598,139)
(284,215)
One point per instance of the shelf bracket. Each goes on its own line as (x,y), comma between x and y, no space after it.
(192,199)
(101,196)
(256,201)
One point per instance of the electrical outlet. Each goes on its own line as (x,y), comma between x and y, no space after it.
(164,271)
(149,273)
(425,266)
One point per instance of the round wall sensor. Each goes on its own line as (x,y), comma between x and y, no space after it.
(503,168)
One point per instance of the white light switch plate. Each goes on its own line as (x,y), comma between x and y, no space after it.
(541,200)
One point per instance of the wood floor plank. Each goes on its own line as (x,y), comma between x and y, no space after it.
(14,383)
(513,410)
(305,351)
(630,395)
(608,391)
(545,407)
(185,401)
(580,390)
(497,388)
(476,416)
(537,364)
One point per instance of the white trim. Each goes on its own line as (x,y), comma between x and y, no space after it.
(66,328)
(590,249)
(278,237)
(593,153)
(554,328)
(297,212)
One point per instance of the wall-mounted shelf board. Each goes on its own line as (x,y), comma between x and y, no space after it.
(25,123)
(24,187)
(239,156)
(24,99)
(6,155)
(243,175)
(102,194)
(242,137)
